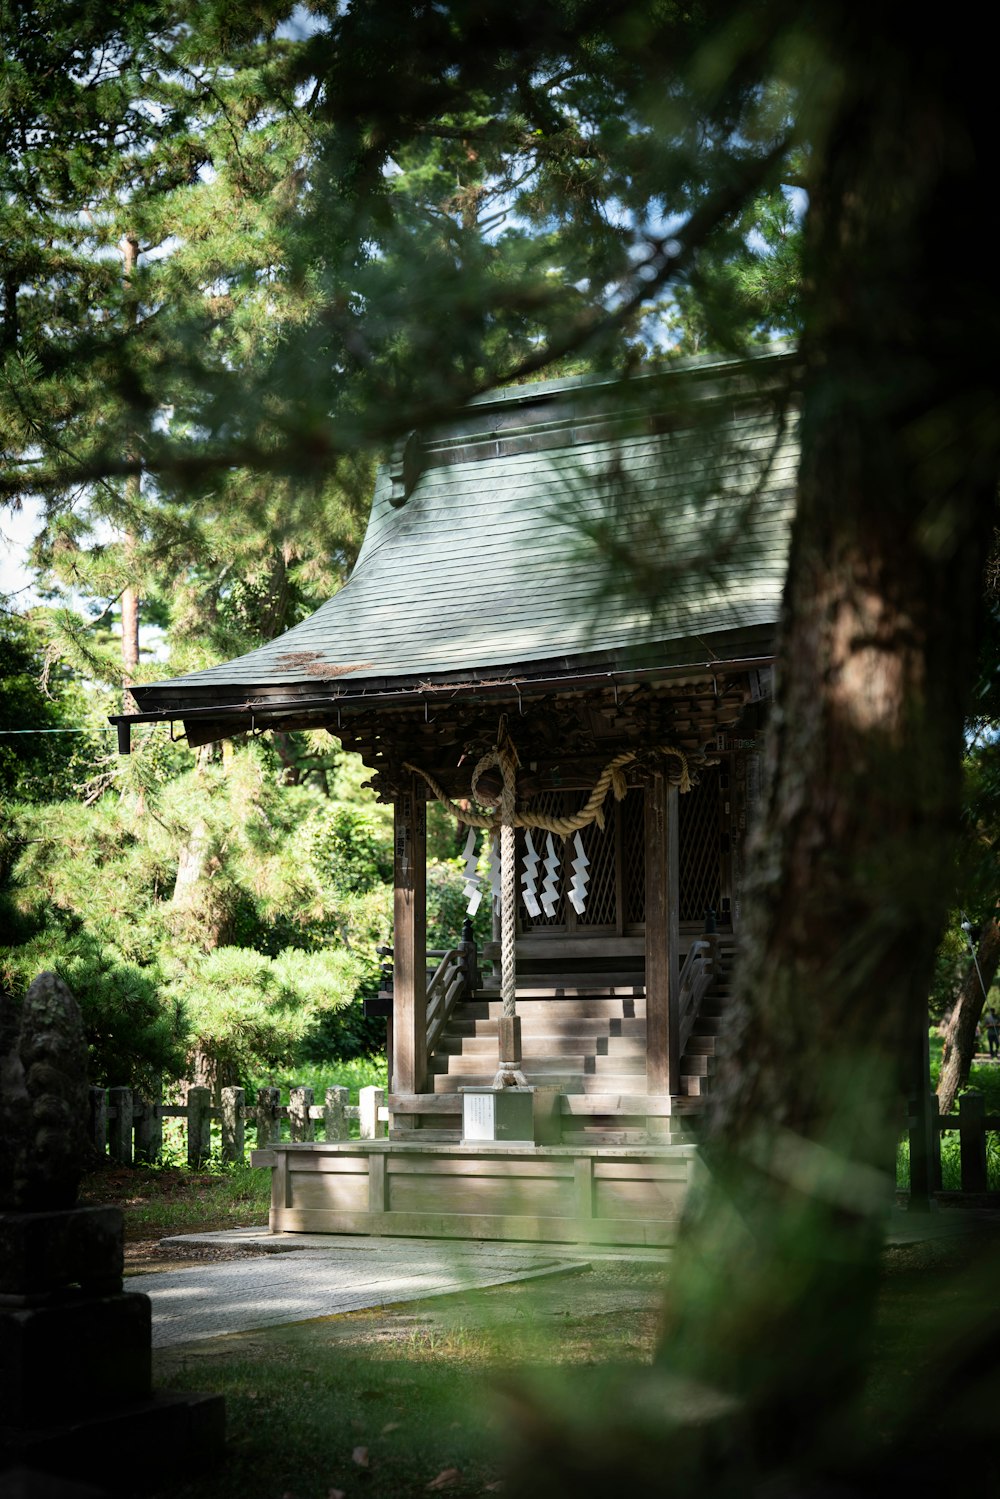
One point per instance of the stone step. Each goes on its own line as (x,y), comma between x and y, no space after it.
(634,1136)
(701,1046)
(625,1007)
(537,1044)
(712,1008)
(617,1062)
(675,1134)
(461,1065)
(559,1082)
(582,982)
(687,1107)
(547,1025)
(437,1135)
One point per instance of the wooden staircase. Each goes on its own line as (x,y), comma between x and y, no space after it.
(584,1046)
(699,1058)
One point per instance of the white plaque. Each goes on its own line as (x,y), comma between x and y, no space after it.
(479,1116)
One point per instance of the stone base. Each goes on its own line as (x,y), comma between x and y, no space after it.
(64,1356)
(45,1251)
(31,1483)
(126,1450)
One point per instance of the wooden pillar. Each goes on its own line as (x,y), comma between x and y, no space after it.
(409,962)
(662,938)
(972,1141)
(925,1137)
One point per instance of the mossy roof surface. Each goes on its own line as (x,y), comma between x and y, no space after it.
(570,521)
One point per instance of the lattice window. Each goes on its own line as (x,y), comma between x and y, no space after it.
(633,845)
(601,907)
(699,839)
(602,895)
(550,804)
(699,847)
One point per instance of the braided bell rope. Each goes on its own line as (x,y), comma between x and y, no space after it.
(610,778)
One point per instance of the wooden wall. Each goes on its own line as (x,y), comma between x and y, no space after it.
(562,1194)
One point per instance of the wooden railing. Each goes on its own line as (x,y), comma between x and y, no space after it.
(129,1128)
(695,981)
(445,988)
(974,1126)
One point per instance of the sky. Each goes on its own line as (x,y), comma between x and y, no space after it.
(17,531)
(17,592)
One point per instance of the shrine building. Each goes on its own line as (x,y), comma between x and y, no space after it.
(561,625)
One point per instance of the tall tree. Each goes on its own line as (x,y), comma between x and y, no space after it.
(632,148)
(772,1286)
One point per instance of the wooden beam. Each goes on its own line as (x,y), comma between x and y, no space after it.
(662,938)
(409,964)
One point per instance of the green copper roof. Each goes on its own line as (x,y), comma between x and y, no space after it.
(492,543)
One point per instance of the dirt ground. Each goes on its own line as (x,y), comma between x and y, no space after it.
(609,1311)
(616,1302)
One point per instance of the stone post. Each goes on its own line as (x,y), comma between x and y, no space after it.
(268,1122)
(300,1123)
(370,1100)
(99,1119)
(76,1400)
(149,1127)
(199,1121)
(120,1134)
(972,1141)
(335,1114)
(233,1114)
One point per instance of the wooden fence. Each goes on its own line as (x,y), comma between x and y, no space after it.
(129,1128)
(925,1127)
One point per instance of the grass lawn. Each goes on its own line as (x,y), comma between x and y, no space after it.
(161,1200)
(434,1396)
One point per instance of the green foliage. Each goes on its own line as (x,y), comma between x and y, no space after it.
(135,1031)
(447,903)
(984,1078)
(282,179)
(353,1073)
(248,1011)
(258,957)
(36,761)
(211,330)
(345,844)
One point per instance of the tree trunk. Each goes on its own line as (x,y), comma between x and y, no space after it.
(192,857)
(133,487)
(291,774)
(960,1037)
(773,1281)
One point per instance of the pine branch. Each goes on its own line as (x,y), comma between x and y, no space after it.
(668,258)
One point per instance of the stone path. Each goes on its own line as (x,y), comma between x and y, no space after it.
(298,1277)
(322,1277)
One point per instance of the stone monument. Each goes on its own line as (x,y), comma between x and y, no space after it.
(75,1349)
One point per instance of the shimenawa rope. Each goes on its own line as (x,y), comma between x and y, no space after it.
(505,821)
